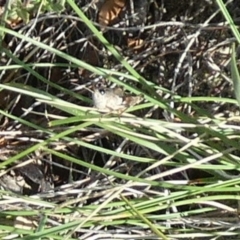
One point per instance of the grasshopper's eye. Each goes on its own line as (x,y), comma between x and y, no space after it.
(98,85)
(102,91)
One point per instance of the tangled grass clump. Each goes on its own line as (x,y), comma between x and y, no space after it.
(166,168)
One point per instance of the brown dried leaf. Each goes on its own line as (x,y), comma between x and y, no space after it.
(109,11)
(135,43)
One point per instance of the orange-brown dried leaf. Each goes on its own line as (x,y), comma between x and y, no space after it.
(109,11)
(135,43)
